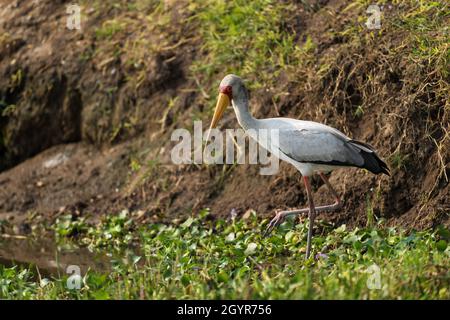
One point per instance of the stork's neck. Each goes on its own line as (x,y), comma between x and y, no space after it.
(240,105)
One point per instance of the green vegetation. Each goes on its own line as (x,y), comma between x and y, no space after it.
(246,38)
(109,29)
(398,160)
(230,259)
(427,22)
(243,37)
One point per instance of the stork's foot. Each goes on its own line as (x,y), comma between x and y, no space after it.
(275,222)
(282,215)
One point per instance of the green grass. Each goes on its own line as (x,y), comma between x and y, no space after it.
(246,38)
(201,259)
(398,160)
(109,28)
(427,24)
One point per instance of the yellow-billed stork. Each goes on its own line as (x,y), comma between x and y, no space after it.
(309,146)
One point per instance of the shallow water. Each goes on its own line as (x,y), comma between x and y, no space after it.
(49,258)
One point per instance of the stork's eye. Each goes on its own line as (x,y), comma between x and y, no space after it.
(226,90)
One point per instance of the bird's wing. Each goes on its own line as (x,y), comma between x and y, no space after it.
(318,146)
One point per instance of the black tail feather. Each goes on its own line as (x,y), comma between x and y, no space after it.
(372,161)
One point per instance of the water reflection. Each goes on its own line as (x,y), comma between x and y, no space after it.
(50,258)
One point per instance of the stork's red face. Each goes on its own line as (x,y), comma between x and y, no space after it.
(228,83)
(228,90)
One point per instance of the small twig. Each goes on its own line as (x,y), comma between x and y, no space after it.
(202,91)
(13,236)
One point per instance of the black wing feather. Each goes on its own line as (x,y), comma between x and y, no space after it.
(372,161)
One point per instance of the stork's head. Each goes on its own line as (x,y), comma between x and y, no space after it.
(231,87)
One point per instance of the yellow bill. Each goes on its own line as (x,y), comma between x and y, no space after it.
(222,103)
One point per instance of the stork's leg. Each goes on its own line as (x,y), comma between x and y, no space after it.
(282,215)
(337,204)
(312,215)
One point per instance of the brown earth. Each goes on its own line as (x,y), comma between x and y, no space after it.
(90,131)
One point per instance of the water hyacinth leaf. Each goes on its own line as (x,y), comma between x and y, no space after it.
(289,236)
(187,223)
(351,238)
(223,277)
(101,295)
(167,273)
(204,213)
(96,280)
(251,248)
(123,214)
(135,259)
(444,232)
(441,245)
(230,237)
(185,280)
(44,282)
(116,229)
(357,245)
(341,229)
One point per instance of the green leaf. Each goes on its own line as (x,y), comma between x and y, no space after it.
(441,245)
(357,245)
(230,237)
(251,248)
(185,280)
(187,223)
(222,277)
(443,232)
(289,236)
